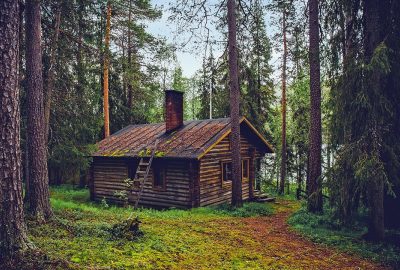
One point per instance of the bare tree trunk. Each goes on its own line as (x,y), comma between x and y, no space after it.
(234,106)
(259,109)
(299,176)
(130,87)
(283,154)
(375,15)
(105,72)
(39,199)
(315,191)
(80,72)
(51,73)
(12,227)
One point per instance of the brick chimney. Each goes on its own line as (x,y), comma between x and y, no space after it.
(173,110)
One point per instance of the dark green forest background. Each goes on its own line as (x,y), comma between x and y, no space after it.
(360,87)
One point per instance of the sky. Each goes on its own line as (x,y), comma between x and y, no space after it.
(190,62)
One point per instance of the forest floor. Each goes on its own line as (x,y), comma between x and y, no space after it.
(256,236)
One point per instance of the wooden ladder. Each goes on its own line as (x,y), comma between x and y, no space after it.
(141,175)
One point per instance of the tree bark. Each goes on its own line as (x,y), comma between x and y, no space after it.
(315,191)
(375,14)
(130,87)
(234,106)
(12,227)
(38,200)
(80,73)
(283,154)
(105,72)
(51,73)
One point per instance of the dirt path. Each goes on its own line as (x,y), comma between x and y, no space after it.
(291,251)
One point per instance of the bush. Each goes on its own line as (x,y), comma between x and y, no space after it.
(128,229)
(327,230)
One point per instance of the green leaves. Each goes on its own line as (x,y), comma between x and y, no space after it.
(380,60)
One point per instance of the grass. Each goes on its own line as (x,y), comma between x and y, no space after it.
(323,229)
(273,192)
(208,237)
(82,236)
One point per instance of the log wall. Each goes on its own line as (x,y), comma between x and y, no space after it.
(108,176)
(213,190)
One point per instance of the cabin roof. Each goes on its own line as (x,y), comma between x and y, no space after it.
(193,140)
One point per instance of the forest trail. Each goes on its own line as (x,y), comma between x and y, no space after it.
(290,250)
(196,239)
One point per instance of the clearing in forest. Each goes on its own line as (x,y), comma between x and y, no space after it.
(254,237)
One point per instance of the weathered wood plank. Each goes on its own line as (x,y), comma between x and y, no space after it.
(109,176)
(212,190)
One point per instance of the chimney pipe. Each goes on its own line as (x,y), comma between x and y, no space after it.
(173,110)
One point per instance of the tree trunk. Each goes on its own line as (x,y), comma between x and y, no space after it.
(234,106)
(80,72)
(315,191)
(51,73)
(105,72)
(283,154)
(38,201)
(130,87)
(299,176)
(12,227)
(375,14)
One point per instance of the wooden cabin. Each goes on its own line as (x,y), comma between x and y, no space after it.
(192,162)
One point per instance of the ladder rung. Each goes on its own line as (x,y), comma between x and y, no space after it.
(144,162)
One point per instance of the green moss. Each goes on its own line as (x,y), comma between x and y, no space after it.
(82,234)
(159,154)
(208,237)
(147,152)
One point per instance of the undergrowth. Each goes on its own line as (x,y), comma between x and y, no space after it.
(273,192)
(87,235)
(327,230)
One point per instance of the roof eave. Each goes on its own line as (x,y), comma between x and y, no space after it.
(227,132)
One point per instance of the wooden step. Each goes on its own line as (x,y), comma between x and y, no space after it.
(144,164)
(268,199)
(262,195)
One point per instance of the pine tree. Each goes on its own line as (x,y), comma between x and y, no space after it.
(234,104)
(315,148)
(283,104)
(39,195)
(13,233)
(105,72)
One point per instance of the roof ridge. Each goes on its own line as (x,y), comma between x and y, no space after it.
(161,123)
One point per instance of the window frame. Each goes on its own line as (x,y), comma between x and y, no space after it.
(229,181)
(248,168)
(159,169)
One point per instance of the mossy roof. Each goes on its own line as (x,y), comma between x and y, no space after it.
(192,140)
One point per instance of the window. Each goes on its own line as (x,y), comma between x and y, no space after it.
(245,168)
(226,171)
(158,176)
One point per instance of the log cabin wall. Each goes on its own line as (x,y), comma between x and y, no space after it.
(212,189)
(109,173)
(108,176)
